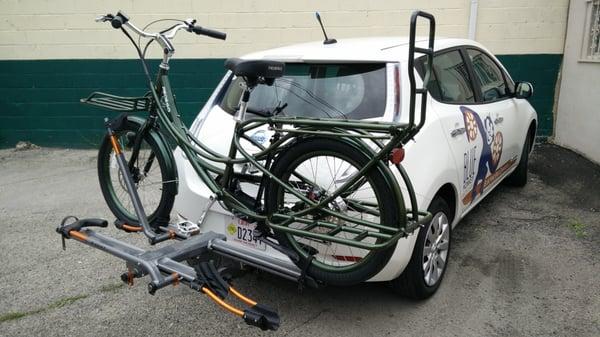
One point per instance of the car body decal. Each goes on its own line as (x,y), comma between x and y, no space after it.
(483,171)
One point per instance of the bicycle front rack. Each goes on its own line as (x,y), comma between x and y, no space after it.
(118,103)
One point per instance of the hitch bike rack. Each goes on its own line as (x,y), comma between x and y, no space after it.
(165,266)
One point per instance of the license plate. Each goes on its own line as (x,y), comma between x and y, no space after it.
(241,231)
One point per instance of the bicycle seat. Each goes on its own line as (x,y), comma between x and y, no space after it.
(253,69)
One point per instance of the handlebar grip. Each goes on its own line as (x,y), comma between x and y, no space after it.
(209,32)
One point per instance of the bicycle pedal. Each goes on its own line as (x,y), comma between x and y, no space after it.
(185,227)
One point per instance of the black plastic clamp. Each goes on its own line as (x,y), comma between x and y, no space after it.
(262,316)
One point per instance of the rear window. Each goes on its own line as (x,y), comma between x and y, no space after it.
(347,91)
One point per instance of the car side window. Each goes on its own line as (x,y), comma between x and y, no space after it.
(490,77)
(450,82)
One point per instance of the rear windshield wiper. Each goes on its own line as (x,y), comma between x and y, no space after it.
(261,112)
(266,112)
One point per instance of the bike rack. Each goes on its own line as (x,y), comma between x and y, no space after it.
(165,266)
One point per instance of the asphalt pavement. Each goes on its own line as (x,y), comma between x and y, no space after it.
(525,262)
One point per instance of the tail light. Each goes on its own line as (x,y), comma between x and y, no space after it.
(397,92)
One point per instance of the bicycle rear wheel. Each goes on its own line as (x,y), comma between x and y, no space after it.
(153,175)
(324,165)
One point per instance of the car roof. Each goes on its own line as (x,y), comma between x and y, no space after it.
(372,49)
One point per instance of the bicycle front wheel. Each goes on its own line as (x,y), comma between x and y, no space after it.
(153,176)
(316,168)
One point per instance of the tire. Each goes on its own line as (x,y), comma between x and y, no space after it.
(157,189)
(334,263)
(518,177)
(413,282)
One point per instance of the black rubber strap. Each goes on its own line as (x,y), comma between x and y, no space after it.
(302,278)
(208,276)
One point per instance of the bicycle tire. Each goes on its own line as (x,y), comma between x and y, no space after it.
(157,208)
(388,205)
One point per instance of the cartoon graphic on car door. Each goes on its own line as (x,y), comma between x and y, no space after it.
(484,162)
(491,149)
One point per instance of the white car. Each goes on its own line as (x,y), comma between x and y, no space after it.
(479,131)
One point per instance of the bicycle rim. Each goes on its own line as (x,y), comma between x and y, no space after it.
(326,172)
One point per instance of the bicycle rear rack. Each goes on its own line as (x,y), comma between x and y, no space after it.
(428,52)
(355,237)
(118,103)
(165,266)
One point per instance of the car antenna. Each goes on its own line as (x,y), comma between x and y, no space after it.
(327,40)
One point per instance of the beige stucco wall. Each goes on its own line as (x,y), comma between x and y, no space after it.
(578,115)
(58,29)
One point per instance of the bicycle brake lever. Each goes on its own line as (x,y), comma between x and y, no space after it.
(190,24)
(104,18)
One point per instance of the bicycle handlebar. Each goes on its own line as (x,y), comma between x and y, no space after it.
(209,32)
(162,38)
(117,21)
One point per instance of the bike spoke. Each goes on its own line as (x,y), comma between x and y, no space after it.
(324,174)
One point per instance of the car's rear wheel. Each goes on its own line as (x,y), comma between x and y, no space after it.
(424,273)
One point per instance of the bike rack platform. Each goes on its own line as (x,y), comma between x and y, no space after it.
(165,266)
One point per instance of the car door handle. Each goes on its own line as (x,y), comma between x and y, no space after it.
(457,132)
(498,120)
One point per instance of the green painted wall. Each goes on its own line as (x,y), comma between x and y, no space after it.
(542,71)
(40,98)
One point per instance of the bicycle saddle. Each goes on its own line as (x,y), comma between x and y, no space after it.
(252,70)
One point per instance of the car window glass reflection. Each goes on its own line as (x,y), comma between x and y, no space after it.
(346,91)
(489,76)
(450,81)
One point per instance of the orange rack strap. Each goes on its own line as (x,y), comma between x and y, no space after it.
(78,235)
(222,303)
(242,297)
(115,144)
(132,228)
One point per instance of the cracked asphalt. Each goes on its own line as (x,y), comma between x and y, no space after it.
(525,262)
